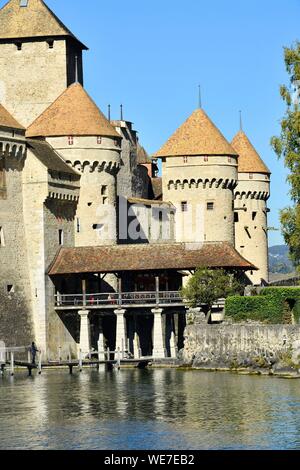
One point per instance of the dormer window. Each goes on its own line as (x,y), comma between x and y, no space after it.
(71,140)
(99,140)
(23,3)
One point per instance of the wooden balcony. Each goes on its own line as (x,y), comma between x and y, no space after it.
(124,300)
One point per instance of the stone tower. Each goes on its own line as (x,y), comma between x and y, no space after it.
(199,174)
(250,207)
(38,58)
(75,127)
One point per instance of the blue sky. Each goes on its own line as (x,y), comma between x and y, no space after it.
(151,55)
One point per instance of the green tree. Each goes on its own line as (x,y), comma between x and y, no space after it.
(208,285)
(287,146)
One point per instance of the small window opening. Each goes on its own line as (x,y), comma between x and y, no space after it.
(229,159)
(251,176)
(254,215)
(97,226)
(70,140)
(23,3)
(89,204)
(50,44)
(117,142)
(19,46)
(184,206)
(236,217)
(61,237)
(99,140)
(10,288)
(210,206)
(103,190)
(105,200)
(185,159)
(206,159)
(78,225)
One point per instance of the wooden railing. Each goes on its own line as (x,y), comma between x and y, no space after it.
(118,299)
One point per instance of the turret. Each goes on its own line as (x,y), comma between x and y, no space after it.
(250,207)
(77,129)
(40,57)
(199,174)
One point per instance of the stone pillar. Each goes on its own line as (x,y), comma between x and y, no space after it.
(136,341)
(158,336)
(173,346)
(101,343)
(120,329)
(85,334)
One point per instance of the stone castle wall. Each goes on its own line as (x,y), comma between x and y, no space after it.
(32,78)
(231,346)
(251,228)
(198,182)
(16,321)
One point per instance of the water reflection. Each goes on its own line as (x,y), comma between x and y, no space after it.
(158,409)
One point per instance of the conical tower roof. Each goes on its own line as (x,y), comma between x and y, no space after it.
(7,120)
(72,113)
(197,136)
(30,19)
(249,161)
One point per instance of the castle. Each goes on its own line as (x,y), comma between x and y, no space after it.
(94,245)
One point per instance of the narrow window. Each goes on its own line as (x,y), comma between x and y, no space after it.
(236,217)
(78,225)
(184,206)
(2,241)
(103,190)
(117,142)
(50,44)
(206,159)
(254,215)
(61,237)
(185,159)
(210,206)
(99,140)
(229,160)
(10,288)
(105,200)
(251,176)
(19,46)
(70,140)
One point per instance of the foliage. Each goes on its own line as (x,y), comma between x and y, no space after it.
(287,146)
(274,305)
(208,285)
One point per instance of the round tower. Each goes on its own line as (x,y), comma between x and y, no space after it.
(199,174)
(77,129)
(250,207)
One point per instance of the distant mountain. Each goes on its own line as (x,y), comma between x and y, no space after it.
(279,261)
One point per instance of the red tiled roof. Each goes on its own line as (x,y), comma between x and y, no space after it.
(145,257)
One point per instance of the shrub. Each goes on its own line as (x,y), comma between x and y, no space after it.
(273,305)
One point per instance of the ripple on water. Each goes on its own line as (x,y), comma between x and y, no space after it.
(151,409)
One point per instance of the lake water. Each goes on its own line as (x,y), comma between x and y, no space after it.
(148,409)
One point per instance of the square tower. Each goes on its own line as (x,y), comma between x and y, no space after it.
(37,57)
